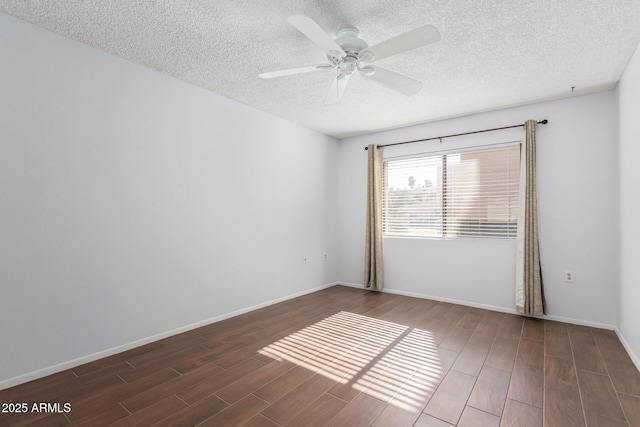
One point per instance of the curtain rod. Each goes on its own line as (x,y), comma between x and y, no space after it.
(542,122)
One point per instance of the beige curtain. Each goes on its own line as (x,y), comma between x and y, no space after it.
(373,248)
(529,289)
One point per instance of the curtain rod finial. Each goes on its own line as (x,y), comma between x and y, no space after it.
(366,148)
(544,122)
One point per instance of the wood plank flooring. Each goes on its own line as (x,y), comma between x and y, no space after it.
(349,357)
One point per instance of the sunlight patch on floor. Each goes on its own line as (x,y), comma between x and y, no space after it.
(391,362)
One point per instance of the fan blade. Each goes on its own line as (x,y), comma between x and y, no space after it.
(291,71)
(395,81)
(336,89)
(309,28)
(413,39)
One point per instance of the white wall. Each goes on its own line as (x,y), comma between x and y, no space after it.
(629,110)
(133,204)
(578,203)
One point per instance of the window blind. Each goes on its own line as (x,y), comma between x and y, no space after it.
(452,195)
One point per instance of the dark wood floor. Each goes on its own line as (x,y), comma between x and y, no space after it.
(348,357)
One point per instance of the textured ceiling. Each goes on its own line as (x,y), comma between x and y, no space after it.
(492,54)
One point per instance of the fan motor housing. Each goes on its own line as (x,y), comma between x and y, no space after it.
(349,40)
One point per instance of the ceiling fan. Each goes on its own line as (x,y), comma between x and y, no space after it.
(348,53)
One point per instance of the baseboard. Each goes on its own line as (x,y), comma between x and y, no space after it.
(351,285)
(627,347)
(451,301)
(20,379)
(11,382)
(488,307)
(580,322)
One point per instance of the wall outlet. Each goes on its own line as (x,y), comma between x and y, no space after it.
(568,276)
(305,259)
(326,258)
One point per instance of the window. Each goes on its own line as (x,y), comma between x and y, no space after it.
(451,195)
